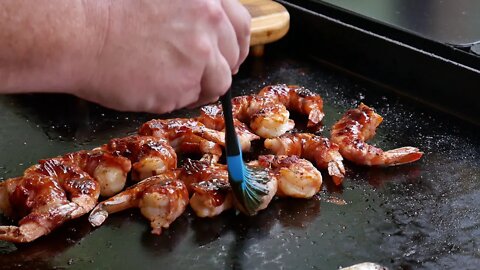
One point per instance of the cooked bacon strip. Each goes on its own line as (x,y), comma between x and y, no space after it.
(314,148)
(298,99)
(356,127)
(47,195)
(161,199)
(150,155)
(185,135)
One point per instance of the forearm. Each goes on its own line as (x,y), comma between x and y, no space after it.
(49,45)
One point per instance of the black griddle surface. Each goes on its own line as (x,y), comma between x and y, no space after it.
(424,215)
(451,22)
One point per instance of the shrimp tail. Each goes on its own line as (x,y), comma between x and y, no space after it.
(315,117)
(22,234)
(98,216)
(85,204)
(115,204)
(336,171)
(36,225)
(402,155)
(359,125)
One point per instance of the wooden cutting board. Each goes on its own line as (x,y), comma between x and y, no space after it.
(270,22)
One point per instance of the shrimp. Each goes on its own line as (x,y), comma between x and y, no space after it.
(196,144)
(265,175)
(150,155)
(314,148)
(359,125)
(266,117)
(110,171)
(48,194)
(212,194)
(211,197)
(212,117)
(185,134)
(245,136)
(296,177)
(298,99)
(207,181)
(79,186)
(161,199)
(196,171)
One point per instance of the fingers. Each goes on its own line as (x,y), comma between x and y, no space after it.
(233,45)
(227,41)
(225,56)
(216,79)
(203,102)
(240,20)
(187,100)
(185,57)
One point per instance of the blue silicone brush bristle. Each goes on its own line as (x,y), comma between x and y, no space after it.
(249,184)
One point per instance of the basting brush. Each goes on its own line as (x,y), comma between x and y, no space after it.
(249,183)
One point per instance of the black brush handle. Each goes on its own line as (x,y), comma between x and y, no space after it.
(231,140)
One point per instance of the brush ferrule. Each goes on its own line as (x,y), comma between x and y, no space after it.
(236,168)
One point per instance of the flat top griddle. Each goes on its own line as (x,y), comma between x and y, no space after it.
(451,22)
(418,216)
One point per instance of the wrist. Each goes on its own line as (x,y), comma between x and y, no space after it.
(84,57)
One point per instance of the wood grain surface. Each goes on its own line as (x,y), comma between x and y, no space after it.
(270,21)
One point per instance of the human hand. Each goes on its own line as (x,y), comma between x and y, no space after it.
(158,56)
